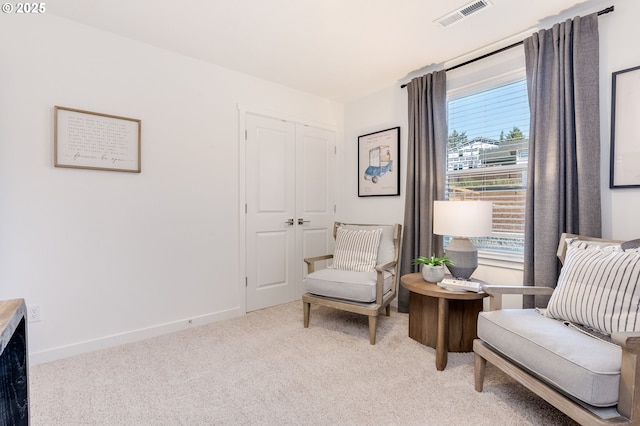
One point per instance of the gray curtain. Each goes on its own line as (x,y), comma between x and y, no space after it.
(426,164)
(563,193)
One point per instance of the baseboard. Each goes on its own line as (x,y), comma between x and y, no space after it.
(66,351)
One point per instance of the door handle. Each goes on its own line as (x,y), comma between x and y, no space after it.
(290,222)
(301,221)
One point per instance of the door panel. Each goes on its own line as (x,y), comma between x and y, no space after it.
(272,168)
(271,268)
(314,170)
(315,198)
(290,206)
(270,203)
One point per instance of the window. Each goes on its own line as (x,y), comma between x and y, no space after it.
(487,156)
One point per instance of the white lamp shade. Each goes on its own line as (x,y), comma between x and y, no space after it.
(463,218)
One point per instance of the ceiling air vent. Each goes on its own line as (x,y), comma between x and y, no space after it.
(463,12)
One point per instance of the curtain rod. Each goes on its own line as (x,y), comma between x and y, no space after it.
(502,49)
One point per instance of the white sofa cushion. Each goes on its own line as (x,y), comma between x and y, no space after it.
(356,250)
(349,285)
(598,287)
(579,365)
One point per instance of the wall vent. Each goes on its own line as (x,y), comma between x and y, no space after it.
(463,12)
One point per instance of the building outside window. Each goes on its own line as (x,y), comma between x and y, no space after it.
(487,154)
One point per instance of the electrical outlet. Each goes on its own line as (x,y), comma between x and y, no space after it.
(33,313)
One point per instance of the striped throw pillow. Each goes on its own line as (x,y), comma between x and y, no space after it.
(598,287)
(356,250)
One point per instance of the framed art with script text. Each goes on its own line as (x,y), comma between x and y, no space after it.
(91,140)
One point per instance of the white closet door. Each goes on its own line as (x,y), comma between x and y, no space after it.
(315,194)
(289,206)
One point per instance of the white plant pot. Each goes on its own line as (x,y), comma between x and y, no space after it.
(433,274)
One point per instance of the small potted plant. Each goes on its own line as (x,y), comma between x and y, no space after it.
(432,267)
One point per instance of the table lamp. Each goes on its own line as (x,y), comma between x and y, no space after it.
(461,220)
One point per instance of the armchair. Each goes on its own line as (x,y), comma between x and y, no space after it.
(574,368)
(363,277)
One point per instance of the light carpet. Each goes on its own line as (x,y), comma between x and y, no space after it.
(266,369)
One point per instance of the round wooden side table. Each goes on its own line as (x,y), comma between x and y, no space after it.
(442,319)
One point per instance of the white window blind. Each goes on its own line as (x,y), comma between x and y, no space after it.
(487,156)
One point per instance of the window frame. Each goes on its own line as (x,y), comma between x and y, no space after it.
(466,81)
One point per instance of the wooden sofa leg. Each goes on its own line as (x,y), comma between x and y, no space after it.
(629,393)
(306,307)
(388,310)
(479,367)
(372,329)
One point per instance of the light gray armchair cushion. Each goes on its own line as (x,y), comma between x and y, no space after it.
(348,285)
(579,365)
(355,285)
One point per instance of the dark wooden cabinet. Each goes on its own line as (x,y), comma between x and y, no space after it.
(14,364)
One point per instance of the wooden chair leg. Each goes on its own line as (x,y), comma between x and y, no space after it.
(480,365)
(306,307)
(372,329)
(388,310)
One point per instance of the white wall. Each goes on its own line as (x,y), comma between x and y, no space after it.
(619,33)
(378,111)
(113,257)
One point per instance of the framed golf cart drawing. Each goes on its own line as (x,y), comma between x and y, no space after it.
(379,163)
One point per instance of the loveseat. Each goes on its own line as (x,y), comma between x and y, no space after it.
(581,353)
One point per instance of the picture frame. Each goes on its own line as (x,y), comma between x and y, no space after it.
(379,163)
(625,138)
(96,141)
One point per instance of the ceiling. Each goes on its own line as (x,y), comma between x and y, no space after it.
(338,49)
